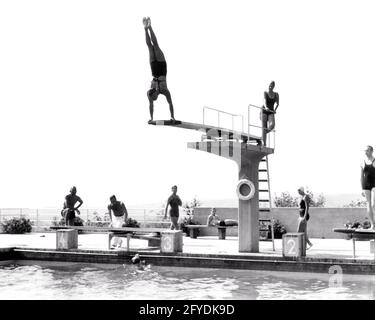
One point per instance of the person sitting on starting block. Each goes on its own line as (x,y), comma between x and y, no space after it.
(69,209)
(214,220)
(159,71)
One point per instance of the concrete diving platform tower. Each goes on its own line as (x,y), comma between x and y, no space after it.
(247,152)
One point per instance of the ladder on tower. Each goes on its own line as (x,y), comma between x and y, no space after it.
(265,204)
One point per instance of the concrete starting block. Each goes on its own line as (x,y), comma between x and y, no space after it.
(372,247)
(171,241)
(66,239)
(294,245)
(109,238)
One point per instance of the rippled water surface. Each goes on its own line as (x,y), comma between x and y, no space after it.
(42,280)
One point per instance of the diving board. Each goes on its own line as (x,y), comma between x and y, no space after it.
(234,145)
(357,234)
(208,130)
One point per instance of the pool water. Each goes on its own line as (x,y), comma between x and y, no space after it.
(60,280)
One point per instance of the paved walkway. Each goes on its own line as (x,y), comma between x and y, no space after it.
(322,248)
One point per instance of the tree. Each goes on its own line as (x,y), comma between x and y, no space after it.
(359,203)
(319,202)
(285,200)
(191,205)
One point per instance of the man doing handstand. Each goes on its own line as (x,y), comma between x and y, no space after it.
(159,70)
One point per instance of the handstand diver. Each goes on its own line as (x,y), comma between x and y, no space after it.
(159,70)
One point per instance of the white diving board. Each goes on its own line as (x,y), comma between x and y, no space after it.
(209,131)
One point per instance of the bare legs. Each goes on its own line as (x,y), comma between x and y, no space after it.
(159,85)
(370,199)
(302,227)
(268,122)
(174,223)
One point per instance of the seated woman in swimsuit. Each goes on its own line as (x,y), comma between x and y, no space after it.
(368,182)
(269,109)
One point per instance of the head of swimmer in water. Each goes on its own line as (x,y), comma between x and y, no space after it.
(368,151)
(301,191)
(73,190)
(112,199)
(271,86)
(174,189)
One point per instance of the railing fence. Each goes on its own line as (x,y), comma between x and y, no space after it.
(44,218)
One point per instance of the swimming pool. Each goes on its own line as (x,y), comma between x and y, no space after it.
(60,280)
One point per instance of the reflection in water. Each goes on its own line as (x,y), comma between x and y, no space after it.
(41,280)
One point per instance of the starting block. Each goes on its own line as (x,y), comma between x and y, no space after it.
(171,241)
(66,239)
(294,245)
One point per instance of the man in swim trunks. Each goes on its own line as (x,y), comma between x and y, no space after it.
(368,182)
(174,202)
(118,218)
(159,71)
(269,110)
(68,212)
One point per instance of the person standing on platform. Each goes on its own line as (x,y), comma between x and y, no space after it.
(174,202)
(368,182)
(119,215)
(271,103)
(158,69)
(304,214)
(69,209)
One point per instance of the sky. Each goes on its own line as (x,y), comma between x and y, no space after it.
(74,110)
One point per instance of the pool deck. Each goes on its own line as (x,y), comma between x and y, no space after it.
(201,252)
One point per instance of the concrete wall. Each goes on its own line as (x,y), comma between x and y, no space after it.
(320,225)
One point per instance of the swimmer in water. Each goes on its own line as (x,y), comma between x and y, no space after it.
(141,263)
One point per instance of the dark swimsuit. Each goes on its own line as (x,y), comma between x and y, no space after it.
(174,202)
(270,102)
(368,178)
(159,69)
(302,209)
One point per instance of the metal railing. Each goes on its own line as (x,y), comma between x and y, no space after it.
(220,112)
(44,218)
(256,128)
